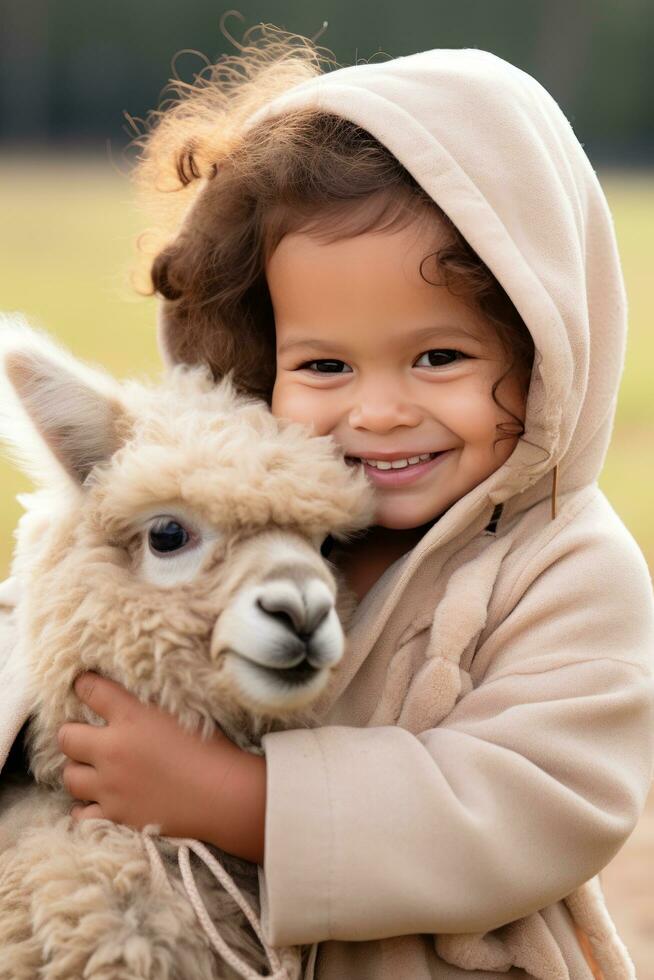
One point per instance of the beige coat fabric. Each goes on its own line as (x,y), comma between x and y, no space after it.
(488,750)
(488,747)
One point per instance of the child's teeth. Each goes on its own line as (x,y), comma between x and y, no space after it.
(397,464)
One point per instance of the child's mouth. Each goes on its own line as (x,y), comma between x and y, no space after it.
(398,472)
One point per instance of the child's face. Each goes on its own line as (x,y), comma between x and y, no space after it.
(391,366)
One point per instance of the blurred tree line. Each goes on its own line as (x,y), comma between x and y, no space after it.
(68,69)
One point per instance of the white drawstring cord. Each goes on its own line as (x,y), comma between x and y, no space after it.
(184,845)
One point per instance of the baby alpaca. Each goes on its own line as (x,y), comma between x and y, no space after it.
(173,546)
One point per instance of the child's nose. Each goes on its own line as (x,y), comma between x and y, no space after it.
(383,412)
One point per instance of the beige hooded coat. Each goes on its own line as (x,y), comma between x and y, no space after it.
(489,745)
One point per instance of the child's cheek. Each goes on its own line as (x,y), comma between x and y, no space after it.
(300,403)
(466,409)
(472,411)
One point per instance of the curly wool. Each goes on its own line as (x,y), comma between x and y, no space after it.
(81,899)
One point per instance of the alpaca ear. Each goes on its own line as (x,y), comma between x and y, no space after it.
(70,407)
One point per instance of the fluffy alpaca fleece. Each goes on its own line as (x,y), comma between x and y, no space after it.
(239,627)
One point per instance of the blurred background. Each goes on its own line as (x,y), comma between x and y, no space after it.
(71,70)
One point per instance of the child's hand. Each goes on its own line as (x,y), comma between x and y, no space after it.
(144,768)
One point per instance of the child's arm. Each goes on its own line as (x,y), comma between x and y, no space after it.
(143,768)
(526,790)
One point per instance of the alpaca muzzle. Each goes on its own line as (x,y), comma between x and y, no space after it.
(303,611)
(280,640)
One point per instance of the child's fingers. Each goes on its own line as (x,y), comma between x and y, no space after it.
(104,696)
(79,741)
(80,781)
(81,811)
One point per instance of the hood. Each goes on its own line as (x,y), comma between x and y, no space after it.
(494,150)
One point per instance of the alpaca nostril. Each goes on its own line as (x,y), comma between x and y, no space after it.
(284,607)
(284,616)
(318,605)
(300,608)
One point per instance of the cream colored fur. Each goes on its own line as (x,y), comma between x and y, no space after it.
(208,634)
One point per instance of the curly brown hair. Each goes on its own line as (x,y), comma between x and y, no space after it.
(249,186)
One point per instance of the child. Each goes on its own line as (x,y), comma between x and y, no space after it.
(415,256)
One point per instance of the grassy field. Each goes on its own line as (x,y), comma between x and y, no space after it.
(67,247)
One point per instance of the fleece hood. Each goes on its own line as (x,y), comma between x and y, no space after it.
(495,152)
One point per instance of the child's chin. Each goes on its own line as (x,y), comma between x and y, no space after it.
(396,517)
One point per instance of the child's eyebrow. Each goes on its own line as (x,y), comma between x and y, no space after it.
(413,336)
(324,345)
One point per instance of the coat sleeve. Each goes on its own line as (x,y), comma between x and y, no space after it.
(526,790)
(14,698)
(7,628)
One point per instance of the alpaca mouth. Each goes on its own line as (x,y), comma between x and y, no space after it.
(296,675)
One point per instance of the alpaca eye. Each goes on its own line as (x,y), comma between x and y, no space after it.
(167,536)
(175,548)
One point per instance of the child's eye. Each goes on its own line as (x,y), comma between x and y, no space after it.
(326,367)
(440,358)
